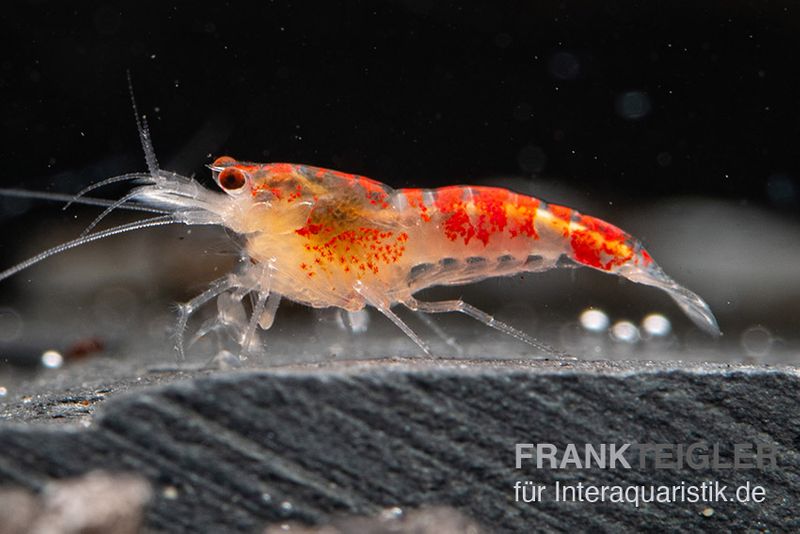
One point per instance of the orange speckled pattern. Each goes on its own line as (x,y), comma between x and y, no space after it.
(358,250)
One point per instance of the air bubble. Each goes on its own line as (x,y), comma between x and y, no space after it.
(594,320)
(757,341)
(286,506)
(52,359)
(3,391)
(10,324)
(656,325)
(633,105)
(565,66)
(625,332)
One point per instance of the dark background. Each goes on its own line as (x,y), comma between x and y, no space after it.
(621,109)
(415,91)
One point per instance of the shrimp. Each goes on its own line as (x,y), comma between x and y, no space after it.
(325,238)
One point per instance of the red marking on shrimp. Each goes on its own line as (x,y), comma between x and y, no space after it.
(600,244)
(280,168)
(223,161)
(524,210)
(416,200)
(487,213)
(376,194)
(560,212)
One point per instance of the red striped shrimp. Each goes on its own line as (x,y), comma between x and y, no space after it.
(325,238)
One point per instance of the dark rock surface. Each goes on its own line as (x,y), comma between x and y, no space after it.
(240,450)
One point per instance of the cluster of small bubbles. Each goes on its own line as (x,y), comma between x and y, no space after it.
(532,158)
(633,105)
(625,331)
(52,359)
(656,325)
(782,190)
(594,320)
(3,391)
(757,341)
(564,66)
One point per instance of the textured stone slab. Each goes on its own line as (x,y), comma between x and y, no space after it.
(242,450)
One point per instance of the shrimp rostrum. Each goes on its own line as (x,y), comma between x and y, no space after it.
(329,239)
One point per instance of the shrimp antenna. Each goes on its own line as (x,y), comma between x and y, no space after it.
(130,227)
(144,132)
(89,201)
(149,157)
(147,147)
(107,181)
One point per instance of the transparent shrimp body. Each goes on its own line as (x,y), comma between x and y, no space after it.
(325,238)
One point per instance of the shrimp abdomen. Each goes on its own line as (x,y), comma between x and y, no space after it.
(464,234)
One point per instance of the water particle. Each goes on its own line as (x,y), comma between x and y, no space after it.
(52,359)
(395,512)
(594,320)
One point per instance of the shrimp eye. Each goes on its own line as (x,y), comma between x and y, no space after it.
(232,179)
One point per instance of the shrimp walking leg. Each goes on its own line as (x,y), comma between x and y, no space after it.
(250,333)
(186,309)
(270,309)
(447,306)
(264,283)
(440,333)
(382,306)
